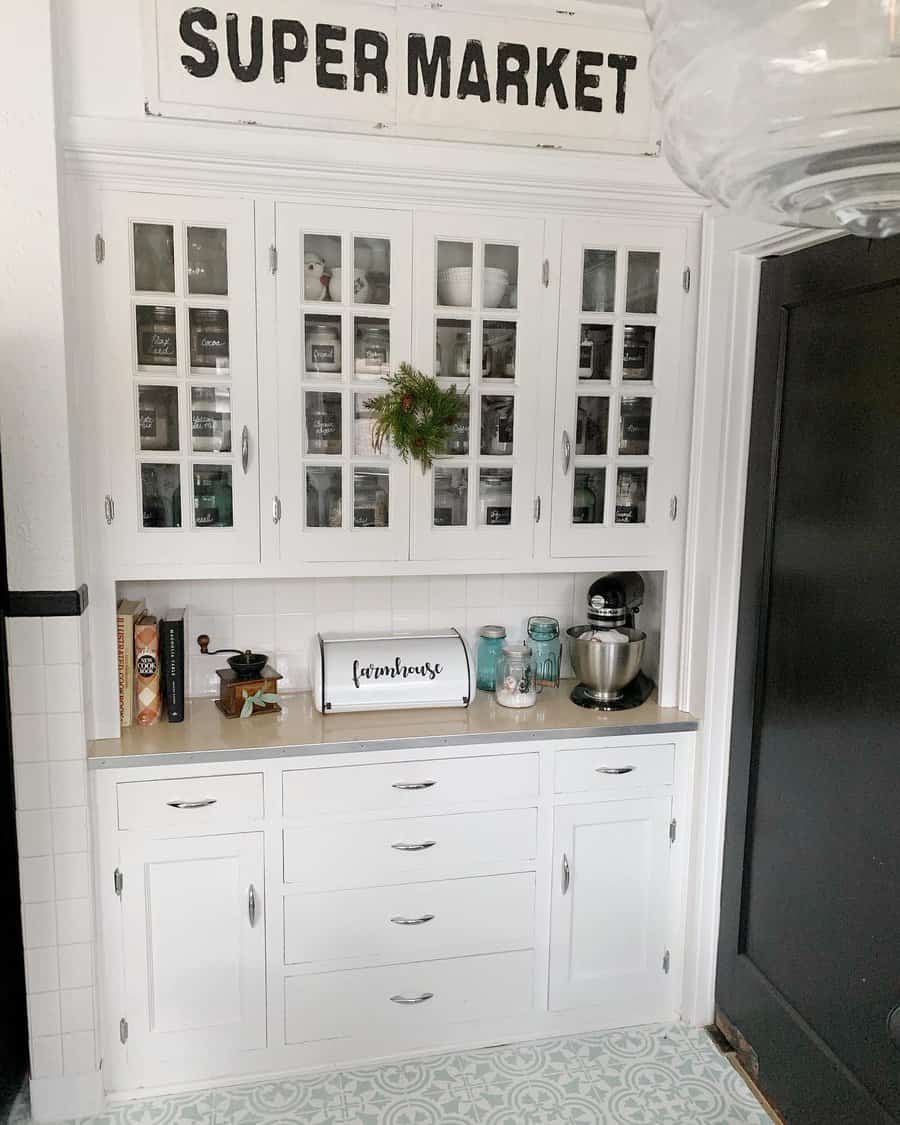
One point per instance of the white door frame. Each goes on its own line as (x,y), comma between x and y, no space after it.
(729,298)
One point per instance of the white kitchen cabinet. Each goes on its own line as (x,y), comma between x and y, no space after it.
(193,937)
(610,912)
(175,350)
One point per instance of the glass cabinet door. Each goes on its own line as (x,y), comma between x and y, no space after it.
(476,326)
(343,307)
(178,378)
(619,431)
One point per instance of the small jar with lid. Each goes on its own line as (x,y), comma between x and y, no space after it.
(323,345)
(156,336)
(543,634)
(516,681)
(372,351)
(490,645)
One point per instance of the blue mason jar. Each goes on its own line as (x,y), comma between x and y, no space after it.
(543,634)
(490,645)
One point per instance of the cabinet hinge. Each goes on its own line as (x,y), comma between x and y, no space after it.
(123,1031)
(276,509)
(109,508)
(118,881)
(673,830)
(99,248)
(273,258)
(537,509)
(666,960)
(686,279)
(673,508)
(545,273)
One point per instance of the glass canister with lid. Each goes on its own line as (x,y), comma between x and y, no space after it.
(516,681)
(543,635)
(490,644)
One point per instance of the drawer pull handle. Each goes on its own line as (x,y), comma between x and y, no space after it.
(412,999)
(398,921)
(566,874)
(616,771)
(251,905)
(204,804)
(408,785)
(414,847)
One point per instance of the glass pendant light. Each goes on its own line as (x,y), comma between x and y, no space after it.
(787,111)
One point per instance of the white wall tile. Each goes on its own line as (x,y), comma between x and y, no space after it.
(555,589)
(46,1057)
(36,878)
(370,594)
(43,1014)
(70,829)
(409,595)
(295,595)
(409,622)
(76,966)
(33,831)
(218,627)
(62,640)
(295,669)
(41,970)
(33,785)
(66,736)
(484,590)
(336,622)
(520,589)
(447,591)
(372,621)
(79,1053)
(255,631)
(25,639)
(39,923)
(72,874)
(29,736)
(74,919)
(212,597)
(27,694)
(332,595)
(294,632)
(76,1008)
(68,784)
(254,596)
(63,686)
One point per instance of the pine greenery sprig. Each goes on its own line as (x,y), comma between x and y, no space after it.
(416,414)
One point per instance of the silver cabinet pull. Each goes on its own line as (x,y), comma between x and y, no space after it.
(420,999)
(204,804)
(616,771)
(251,905)
(414,847)
(245,449)
(566,874)
(409,785)
(566,451)
(398,921)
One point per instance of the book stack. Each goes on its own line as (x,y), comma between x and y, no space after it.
(151,664)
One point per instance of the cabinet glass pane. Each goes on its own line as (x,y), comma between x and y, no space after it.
(499,349)
(371,488)
(643,281)
(634,426)
(637,351)
(372,357)
(156,336)
(631,495)
(363,425)
(595,352)
(458,434)
(372,262)
(321,260)
(497,424)
(454,273)
(495,497)
(500,281)
(451,497)
(160,495)
(598,281)
(323,422)
(212,496)
(323,496)
(154,257)
(209,339)
(323,344)
(207,261)
(158,417)
(211,419)
(592,426)
(452,348)
(587,496)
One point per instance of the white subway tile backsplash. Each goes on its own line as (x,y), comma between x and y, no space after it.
(213,598)
(447,591)
(25,640)
(27,693)
(555,589)
(520,589)
(70,829)
(295,595)
(409,622)
(333,595)
(46,1057)
(218,627)
(39,921)
(371,594)
(62,640)
(32,785)
(335,622)
(63,685)
(410,595)
(41,970)
(43,1014)
(372,621)
(76,1009)
(36,878)
(294,632)
(76,966)
(484,590)
(72,875)
(33,831)
(79,1053)
(295,670)
(65,736)
(255,631)
(29,736)
(254,596)
(74,920)
(68,784)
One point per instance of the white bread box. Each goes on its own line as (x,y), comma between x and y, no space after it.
(379,672)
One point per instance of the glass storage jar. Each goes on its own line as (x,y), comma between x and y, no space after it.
(372,351)
(543,632)
(323,346)
(516,681)
(490,645)
(209,338)
(156,342)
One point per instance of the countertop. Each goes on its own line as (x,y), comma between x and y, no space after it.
(206,735)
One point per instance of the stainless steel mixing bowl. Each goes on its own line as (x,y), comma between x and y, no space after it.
(605,668)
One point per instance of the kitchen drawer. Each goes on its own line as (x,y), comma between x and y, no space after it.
(416,922)
(189,804)
(410,786)
(613,770)
(371,853)
(368,1003)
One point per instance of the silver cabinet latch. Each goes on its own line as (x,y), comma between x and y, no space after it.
(118,882)
(545,273)
(673,508)
(99,248)
(276,509)
(537,509)
(666,960)
(686,279)
(273,258)
(123,1031)
(673,830)
(109,509)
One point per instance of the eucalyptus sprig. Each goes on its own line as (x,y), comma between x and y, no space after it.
(416,414)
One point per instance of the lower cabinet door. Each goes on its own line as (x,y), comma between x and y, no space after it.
(194,933)
(610,909)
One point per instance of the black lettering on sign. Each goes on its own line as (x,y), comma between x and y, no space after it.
(370,52)
(621,64)
(326,55)
(208,64)
(585,81)
(513,75)
(473,58)
(245,72)
(549,75)
(281,52)
(417,60)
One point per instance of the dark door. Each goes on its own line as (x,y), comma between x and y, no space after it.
(809,948)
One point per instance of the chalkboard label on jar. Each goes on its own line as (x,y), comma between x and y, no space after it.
(443,517)
(497,516)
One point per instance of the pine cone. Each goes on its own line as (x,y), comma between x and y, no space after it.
(407,403)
